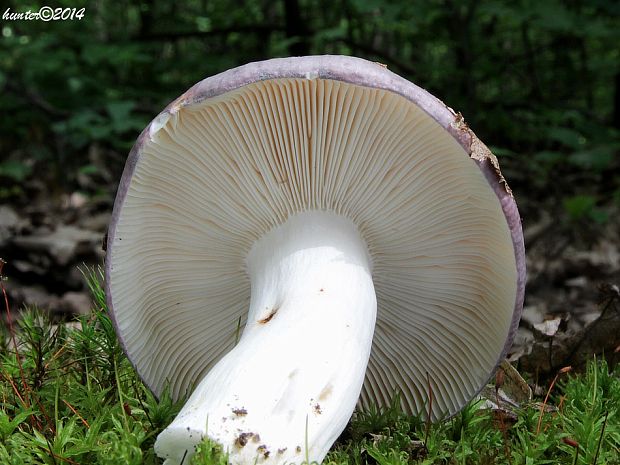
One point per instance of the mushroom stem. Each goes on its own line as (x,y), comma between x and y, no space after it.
(288,388)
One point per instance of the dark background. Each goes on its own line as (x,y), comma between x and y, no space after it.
(538,81)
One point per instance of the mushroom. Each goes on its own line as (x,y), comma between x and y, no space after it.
(367,229)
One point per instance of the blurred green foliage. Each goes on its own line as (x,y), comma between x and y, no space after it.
(539,81)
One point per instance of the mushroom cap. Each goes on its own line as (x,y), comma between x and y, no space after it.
(241,151)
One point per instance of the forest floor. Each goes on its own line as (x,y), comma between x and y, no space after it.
(69,395)
(49,236)
(104,414)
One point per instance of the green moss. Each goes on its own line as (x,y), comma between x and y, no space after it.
(72,397)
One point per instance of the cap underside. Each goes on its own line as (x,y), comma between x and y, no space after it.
(220,173)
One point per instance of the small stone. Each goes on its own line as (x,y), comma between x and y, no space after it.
(549,327)
(63,244)
(77,303)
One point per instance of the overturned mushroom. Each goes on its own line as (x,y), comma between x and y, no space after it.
(337,201)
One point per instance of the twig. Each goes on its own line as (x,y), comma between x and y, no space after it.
(148,417)
(600,439)
(574,444)
(16,390)
(36,99)
(76,412)
(544,404)
(499,381)
(12,333)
